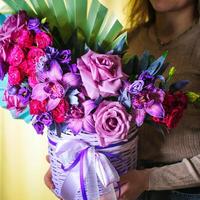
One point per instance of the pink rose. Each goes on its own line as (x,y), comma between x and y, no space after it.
(23,38)
(24,67)
(43,40)
(16,55)
(33,57)
(14,76)
(32,80)
(112,122)
(101,74)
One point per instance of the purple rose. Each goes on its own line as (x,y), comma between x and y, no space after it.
(39,127)
(112,122)
(45,118)
(101,74)
(3,69)
(34,24)
(136,87)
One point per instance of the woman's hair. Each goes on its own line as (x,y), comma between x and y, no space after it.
(142,12)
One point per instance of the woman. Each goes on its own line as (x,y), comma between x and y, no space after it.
(173,161)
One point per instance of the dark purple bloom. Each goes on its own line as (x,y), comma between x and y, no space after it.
(13,90)
(24,95)
(65,56)
(147,78)
(45,118)
(52,52)
(34,24)
(3,69)
(39,127)
(136,87)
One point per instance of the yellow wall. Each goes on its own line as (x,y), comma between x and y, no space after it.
(22,151)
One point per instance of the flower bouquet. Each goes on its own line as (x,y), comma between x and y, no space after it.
(73,77)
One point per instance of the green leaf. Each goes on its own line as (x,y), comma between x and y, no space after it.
(44,20)
(109,32)
(61,17)
(12,4)
(193,97)
(119,45)
(97,14)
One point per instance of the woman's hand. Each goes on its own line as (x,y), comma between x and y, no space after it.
(134,183)
(48,178)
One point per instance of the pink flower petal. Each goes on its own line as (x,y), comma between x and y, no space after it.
(55,72)
(38,92)
(156,110)
(53,103)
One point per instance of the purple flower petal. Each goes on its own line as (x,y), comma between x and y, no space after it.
(52,104)
(139,116)
(55,73)
(156,110)
(38,92)
(89,124)
(72,79)
(89,105)
(75,125)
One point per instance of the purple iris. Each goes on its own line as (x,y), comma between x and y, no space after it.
(65,56)
(34,24)
(147,78)
(24,95)
(3,69)
(53,86)
(39,127)
(149,101)
(45,118)
(52,53)
(136,87)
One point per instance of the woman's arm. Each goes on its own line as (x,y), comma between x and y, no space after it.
(185,174)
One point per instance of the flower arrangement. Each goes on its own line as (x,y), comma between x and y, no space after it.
(83,81)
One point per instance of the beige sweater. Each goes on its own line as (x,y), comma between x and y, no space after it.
(182,145)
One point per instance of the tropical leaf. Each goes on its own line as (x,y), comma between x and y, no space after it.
(157,65)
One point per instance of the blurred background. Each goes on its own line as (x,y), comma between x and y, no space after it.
(22,151)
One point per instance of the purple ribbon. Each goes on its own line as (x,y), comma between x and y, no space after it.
(80,158)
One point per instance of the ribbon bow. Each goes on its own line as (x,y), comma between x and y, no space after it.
(84,166)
